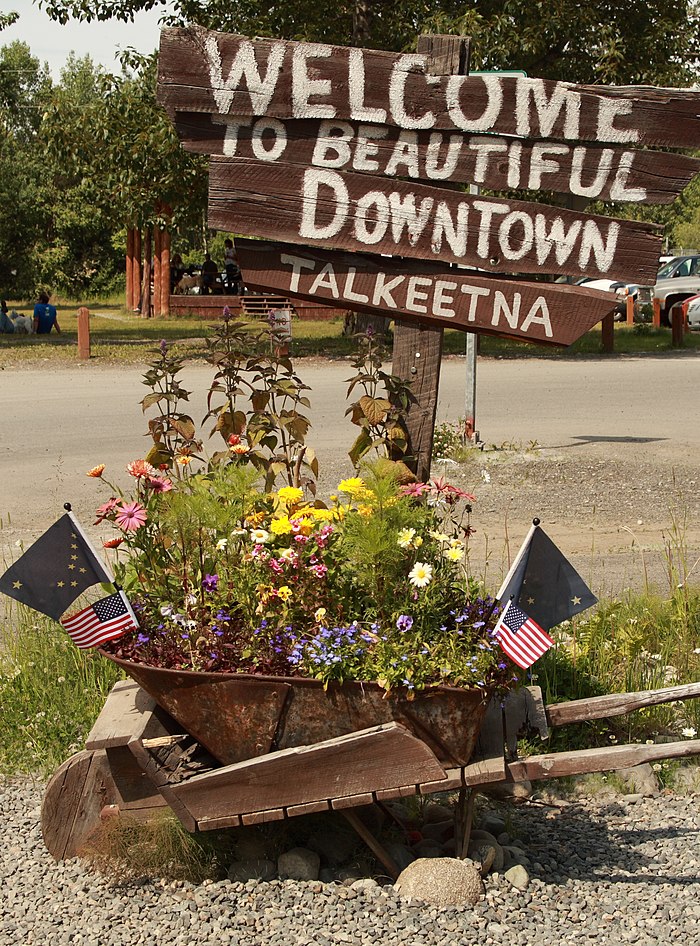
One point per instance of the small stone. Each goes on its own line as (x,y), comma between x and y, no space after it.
(640,779)
(518,877)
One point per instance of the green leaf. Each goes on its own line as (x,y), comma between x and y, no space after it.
(360,448)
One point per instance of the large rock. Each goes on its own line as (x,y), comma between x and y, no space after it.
(508,791)
(334,843)
(640,779)
(442,881)
(298,864)
(439,831)
(518,877)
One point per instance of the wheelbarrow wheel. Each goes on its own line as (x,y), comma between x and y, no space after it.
(78,791)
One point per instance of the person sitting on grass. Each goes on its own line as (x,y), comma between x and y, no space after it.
(7,326)
(45,316)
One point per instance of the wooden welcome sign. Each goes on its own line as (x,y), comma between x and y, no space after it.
(338,149)
(353,160)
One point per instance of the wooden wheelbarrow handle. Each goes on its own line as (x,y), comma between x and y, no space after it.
(616,704)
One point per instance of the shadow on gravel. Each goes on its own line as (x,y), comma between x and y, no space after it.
(578,844)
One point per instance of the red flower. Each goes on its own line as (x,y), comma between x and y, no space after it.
(414,489)
(105,509)
(113,543)
(233,440)
(96,471)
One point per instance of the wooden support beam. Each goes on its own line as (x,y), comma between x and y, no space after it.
(83,333)
(617,704)
(418,348)
(607,328)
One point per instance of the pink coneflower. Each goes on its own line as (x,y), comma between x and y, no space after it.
(141,468)
(96,471)
(113,543)
(160,484)
(414,489)
(105,509)
(131,516)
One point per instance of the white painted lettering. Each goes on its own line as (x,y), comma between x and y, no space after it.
(356,89)
(279,139)
(415,296)
(405,152)
(312,181)
(538,315)
(541,163)
(231,128)
(619,189)
(593,243)
(557,238)
(443,300)
(405,215)
(608,111)
(517,218)
(446,228)
(297,263)
(432,170)
(583,156)
(370,227)
(365,148)
(383,289)
(474,292)
(494,102)
(484,148)
(397,92)
(325,280)
(244,65)
(348,290)
(303,86)
(547,110)
(333,138)
(501,307)
(487,211)
(514,160)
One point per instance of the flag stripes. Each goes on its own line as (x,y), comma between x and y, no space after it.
(100,622)
(521,638)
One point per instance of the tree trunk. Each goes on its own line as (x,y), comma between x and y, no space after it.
(165,273)
(129,294)
(157,249)
(136,272)
(360,23)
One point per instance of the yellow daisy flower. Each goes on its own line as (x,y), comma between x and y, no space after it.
(281,526)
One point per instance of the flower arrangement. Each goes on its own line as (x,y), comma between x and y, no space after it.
(227,571)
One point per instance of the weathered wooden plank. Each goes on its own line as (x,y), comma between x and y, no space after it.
(484,771)
(202,71)
(350,211)
(352,801)
(593,171)
(617,704)
(215,824)
(263,817)
(159,778)
(448,784)
(402,791)
(126,713)
(377,758)
(557,764)
(372,843)
(308,809)
(546,313)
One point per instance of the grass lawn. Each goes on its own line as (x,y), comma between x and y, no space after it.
(117,336)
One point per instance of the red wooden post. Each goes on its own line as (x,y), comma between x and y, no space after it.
(677,325)
(656,318)
(165,273)
(607,327)
(157,249)
(129,294)
(83,333)
(630,310)
(136,271)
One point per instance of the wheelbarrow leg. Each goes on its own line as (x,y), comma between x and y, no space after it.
(464,816)
(372,843)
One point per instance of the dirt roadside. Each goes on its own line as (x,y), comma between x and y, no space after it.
(605,453)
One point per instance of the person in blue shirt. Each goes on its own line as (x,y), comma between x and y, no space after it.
(45,316)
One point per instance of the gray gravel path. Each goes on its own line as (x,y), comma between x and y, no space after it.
(605,871)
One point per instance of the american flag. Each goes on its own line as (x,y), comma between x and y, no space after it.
(521,638)
(102,621)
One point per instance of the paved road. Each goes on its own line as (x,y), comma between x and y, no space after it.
(58,422)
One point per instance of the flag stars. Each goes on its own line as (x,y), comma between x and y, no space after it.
(60,584)
(16,584)
(74,584)
(74,558)
(576,600)
(82,570)
(530,600)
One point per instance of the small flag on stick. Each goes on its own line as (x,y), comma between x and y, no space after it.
(55,570)
(102,621)
(521,638)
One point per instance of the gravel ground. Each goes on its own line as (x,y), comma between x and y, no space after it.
(605,870)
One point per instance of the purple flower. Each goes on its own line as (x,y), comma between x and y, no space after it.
(142,639)
(209,582)
(404,622)
(163,347)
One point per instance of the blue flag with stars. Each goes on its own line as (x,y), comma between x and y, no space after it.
(55,570)
(544,584)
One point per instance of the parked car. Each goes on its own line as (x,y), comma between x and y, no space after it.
(673,290)
(678,267)
(691,310)
(618,286)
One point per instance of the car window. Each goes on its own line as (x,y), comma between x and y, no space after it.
(683,268)
(694,265)
(665,271)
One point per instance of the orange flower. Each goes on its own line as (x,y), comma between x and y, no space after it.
(140,468)
(112,543)
(96,471)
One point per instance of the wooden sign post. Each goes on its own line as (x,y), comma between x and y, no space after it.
(342,157)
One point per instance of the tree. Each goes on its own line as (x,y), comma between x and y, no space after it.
(640,41)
